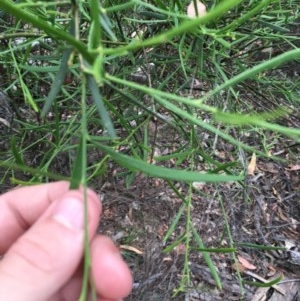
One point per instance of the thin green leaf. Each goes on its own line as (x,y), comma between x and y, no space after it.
(160,97)
(207,259)
(214,250)
(266,284)
(16,152)
(163,172)
(107,123)
(187,26)
(77,173)
(174,244)
(34,171)
(266,65)
(24,15)
(174,223)
(57,83)
(95,29)
(245,17)
(260,247)
(107,25)
(26,92)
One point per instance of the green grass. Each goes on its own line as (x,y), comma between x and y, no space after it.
(90,79)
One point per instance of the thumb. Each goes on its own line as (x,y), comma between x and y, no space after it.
(43,259)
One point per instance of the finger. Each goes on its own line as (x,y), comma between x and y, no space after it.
(71,291)
(21,207)
(46,256)
(110,274)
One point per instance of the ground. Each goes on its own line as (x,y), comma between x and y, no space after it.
(263,210)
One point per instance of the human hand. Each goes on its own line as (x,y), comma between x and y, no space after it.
(41,237)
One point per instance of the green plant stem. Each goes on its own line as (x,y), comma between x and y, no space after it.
(250,73)
(49,29)
(187,26)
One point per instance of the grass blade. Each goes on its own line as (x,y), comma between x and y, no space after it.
(78,173)
(57,83)
(207,259)
(163,172)
(107,123)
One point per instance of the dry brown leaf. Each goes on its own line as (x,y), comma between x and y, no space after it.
(252,165)
(272,271)
(281,215)
(162,229)
(268,217)
(191,11)
(295,223)
(246,263)
(220,154)
(239,266)
(274,191)
(198,185)
(168,258)
(180,249)
(295,167)
(269,167)
(132,249)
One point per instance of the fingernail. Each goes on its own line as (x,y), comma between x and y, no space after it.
(70,213)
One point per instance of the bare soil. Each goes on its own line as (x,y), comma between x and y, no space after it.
(264,210)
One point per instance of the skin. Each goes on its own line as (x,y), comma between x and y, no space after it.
(41,238)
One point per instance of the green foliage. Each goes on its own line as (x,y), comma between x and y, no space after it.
(107,70)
